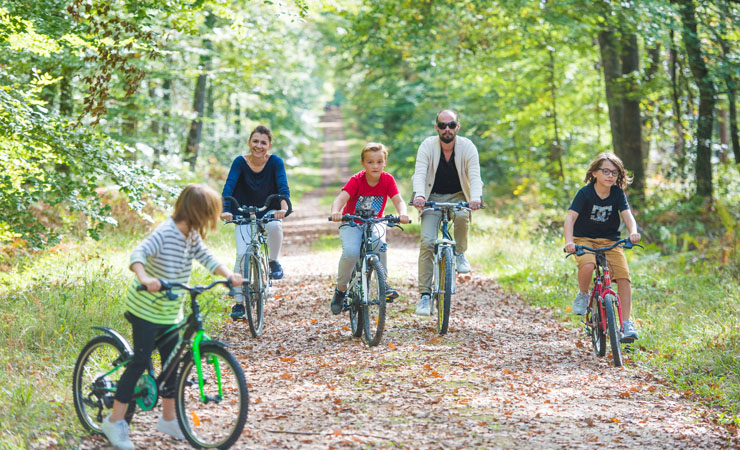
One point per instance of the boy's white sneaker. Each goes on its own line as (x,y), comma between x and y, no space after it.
(170,427)
(580,303)
(117,433)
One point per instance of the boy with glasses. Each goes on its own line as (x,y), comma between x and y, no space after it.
(593,221)
(447,170)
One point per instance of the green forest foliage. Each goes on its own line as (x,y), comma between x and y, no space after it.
(97,94)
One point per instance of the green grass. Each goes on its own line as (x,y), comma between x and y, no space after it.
(685,304)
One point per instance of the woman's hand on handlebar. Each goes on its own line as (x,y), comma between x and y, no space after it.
(236,279)
(226,216)
(570,247)
(336,217)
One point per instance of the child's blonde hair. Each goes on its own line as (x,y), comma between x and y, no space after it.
(622,178)
(200,207)
(374,147)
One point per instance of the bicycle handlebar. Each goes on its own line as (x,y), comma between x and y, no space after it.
(387,218)
(582,249)
(437,206)
(255,209)
(169,285)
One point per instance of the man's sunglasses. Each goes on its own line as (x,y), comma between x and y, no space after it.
(451,125)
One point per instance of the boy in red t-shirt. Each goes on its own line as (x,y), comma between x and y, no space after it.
(369,188)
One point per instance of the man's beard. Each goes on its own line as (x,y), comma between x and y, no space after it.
(446,139)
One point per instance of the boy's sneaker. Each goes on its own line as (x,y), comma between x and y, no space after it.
(170,427)
(117,433)
(462,264)
(390,294)
(276,270)
(237,312)
(580,303)
(630,332)
(337,301)
(424,305)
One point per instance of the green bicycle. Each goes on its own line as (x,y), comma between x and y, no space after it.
(211,398)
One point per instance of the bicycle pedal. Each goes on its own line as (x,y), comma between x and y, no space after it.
(627,340)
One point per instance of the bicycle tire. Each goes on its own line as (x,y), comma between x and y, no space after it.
(612,325)
(92,393)
(216,423)
(373,313)
(255,297)
(355,313)
(444,294)
(598,337)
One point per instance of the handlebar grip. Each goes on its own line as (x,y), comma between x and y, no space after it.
(141,287)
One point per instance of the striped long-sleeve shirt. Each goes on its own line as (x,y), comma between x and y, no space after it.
(168,255)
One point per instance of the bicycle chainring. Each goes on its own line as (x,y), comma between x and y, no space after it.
(148,385)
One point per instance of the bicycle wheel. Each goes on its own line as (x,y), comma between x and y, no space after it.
(255,295)
(598,338)
(612,324)
(373,313)
(444,295)
(355,313)
(217,421)
(95,379)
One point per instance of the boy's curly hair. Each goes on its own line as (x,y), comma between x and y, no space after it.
(622,178)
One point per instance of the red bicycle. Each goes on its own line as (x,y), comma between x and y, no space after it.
(604,311)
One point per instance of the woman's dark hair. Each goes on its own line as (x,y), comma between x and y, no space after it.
(261,129)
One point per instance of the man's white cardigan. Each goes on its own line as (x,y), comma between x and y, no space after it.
(466,162)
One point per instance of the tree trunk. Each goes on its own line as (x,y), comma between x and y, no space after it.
(192,147)
(730,82)
(631,121)
(679,145)
(556,148)
(66,100)
(705,120)
(612,74)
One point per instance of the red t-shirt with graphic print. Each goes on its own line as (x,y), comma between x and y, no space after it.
(364,196)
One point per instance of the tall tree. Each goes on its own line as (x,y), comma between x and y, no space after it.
(707,92)
(195,134)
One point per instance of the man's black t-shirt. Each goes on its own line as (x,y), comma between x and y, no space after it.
(446,180)
(597,217)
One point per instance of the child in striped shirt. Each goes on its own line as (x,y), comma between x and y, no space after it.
(166,254)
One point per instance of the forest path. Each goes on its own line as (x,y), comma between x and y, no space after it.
(507,375)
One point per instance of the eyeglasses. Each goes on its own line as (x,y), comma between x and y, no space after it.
(451,125)
(608,172)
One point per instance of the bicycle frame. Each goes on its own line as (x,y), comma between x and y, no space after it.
(602,287)
(440,245)
(366,252)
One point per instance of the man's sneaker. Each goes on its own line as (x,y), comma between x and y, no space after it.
(580,303)
(237,312)
(424,305)
(337,301)
(170,427)
(276,270)
(462,264)
(390,294)
(117,433)
(630,333)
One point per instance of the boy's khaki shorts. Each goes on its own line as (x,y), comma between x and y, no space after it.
(614,257)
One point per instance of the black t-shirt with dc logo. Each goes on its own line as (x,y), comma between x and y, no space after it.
(597,217)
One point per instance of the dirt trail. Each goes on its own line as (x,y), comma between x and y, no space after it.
(507,375)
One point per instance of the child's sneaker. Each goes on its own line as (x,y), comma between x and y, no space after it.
(337,301)
(170,427)
(580,303)
(117,433)
(630,332)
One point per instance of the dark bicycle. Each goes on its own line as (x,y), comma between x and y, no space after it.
(366,291)
(211,397)
(604,311)
(254,263)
